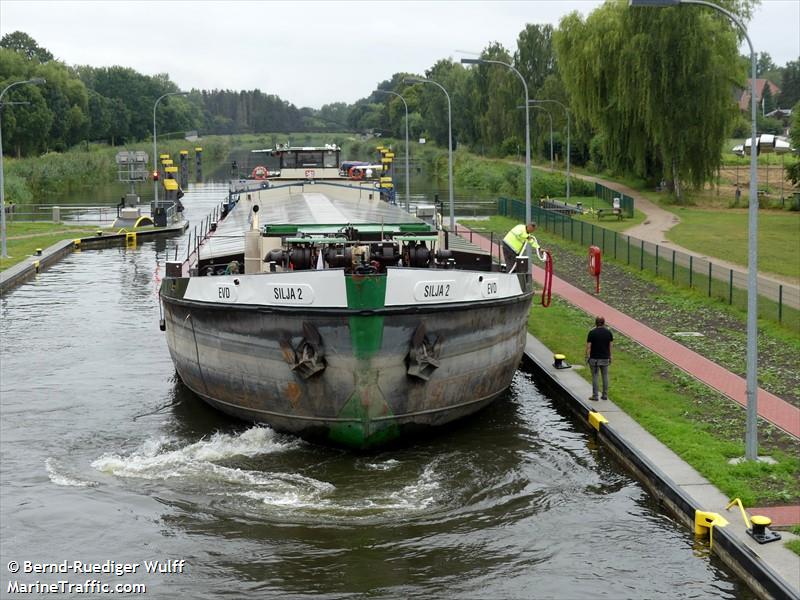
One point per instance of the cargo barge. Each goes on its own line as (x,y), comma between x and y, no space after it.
(313,305)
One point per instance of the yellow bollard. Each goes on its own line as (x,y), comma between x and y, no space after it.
(757,525)
(36,266)
(77,243)
(704,522)
(596,419)
(560,361)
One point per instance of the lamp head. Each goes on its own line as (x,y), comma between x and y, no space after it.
(412,80)
(37,80)
(472,61)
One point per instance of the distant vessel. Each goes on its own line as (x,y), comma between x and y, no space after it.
(352,320)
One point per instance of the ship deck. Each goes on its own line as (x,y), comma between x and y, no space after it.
(300,206)
(320,208)
(324,204)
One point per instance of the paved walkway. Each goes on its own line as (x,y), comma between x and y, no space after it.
(770,407)
(659,221)
(781,515)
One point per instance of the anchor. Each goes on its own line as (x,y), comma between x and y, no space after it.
(308,357)
(423,356)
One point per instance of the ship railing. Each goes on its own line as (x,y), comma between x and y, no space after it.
(272,185)
(200,234)
(495,241)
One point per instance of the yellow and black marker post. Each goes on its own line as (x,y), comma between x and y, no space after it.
(198,163)
(184,173)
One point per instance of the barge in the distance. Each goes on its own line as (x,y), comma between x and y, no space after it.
(351,320)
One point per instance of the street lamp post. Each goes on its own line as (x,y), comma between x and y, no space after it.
(449,142)
(484,61)
(408,172)
(551,131)
(751,430)
(566,110)
(36,81)
(155,152)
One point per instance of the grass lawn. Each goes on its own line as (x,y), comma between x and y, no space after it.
(710,227)
(794,545)
(24,238)
(723,234)
(701,426)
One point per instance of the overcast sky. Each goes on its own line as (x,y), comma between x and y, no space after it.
(310,53)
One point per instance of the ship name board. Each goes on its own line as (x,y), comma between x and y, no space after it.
(300,293)
(226,293)
(433,291)
(489,288)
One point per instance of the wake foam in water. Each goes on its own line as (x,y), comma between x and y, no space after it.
(422,493)
(386,465)
(211,464)
(57,475)
(291,490)
(155,459)
(161,460)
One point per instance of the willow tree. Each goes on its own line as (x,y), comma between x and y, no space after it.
(656,84)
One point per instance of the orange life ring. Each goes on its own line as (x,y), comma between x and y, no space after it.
(356,173)
(260,172)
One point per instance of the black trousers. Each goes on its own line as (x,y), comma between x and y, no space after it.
(510,255)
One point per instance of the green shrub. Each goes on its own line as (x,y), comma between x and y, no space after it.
(596,148)
(17,191)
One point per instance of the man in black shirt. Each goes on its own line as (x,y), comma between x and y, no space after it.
(598,355)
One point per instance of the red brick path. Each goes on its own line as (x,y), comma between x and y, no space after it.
(770,407)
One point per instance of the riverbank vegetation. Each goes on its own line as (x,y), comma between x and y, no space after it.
(40,178)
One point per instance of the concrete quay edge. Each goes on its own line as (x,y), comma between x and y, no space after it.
(770,570)
(15,275)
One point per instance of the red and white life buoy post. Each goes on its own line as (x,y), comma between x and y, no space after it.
(595,265)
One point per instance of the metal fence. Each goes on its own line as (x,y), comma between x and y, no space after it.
(84,215)
(89,215)
(777,301)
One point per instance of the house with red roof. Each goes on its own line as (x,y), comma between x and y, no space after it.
(744,95)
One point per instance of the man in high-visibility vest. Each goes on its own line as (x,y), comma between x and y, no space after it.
(514,242)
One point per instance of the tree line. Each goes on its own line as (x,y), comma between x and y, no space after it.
(649,92)
(115,105)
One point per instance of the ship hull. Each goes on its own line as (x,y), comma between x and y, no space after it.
(362,373)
